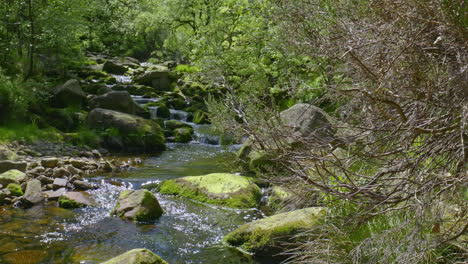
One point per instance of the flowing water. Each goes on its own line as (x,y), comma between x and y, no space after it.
(188,231)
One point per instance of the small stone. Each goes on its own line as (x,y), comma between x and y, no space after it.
(82,185)
(50,186)
(45,180)
(78,163)
(54,195)
(96,153)
(49,162)
(137,256)
(75,200)
(72,169)
(59,183)
(33,194)
(60,172)
(108,167)
(76,178)
(6,165)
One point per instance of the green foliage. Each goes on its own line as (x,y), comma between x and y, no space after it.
(25,132)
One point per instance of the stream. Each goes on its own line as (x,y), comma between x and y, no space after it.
(188,231)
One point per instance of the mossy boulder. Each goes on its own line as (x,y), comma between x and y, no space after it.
(136,256)
(71,200)
(115,68)
(15,189)
(12,176)
(127,132)
(223,189)
(270,235)
(120,101)
(156,79)
(69,94)
(182,135)
(174,124)
(7,154)
(137,205)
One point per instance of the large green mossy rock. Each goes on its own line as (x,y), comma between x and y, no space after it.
(269,236)
(12,176)
(137,256)
(224,189)
(182,135)
(174,124)
(115,68)
(127,132)
(279,198)
(137,205)
(156,79)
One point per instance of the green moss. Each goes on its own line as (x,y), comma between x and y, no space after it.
(218,188)
(265,235)
(15,189)
(183,135)
(68,203)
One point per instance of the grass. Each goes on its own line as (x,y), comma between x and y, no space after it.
(26,132)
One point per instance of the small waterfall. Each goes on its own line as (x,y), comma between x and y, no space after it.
(142,101)
(204,134)
(122,78)
(154,111)
(179,115)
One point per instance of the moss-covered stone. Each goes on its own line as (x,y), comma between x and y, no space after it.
(7,154)
(75,200)
(15,189)
(267,236)
(137,205)
(137,256)
(279,196)
(174,124)
(131,132)
(224,189)
(182,135)
(12,176)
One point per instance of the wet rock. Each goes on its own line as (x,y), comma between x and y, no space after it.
(77,163)
(82,185)
(174,124)
(137,256)
(33,194)
(75,200)
(12,176)
(32,153)
(115,68)
(26,256)
(134,132)
(268,236)
(279,197)
(60,172)
(182,135)
(2,196)
(73,170)
(7,165)
(38,170)
(108,167)
(217,188)
(59,183)
(15,189)
(70,93)
(156,79)
(49,162)
(44,179)
(54,195)
(137,205)
(76,177)
(120,101)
